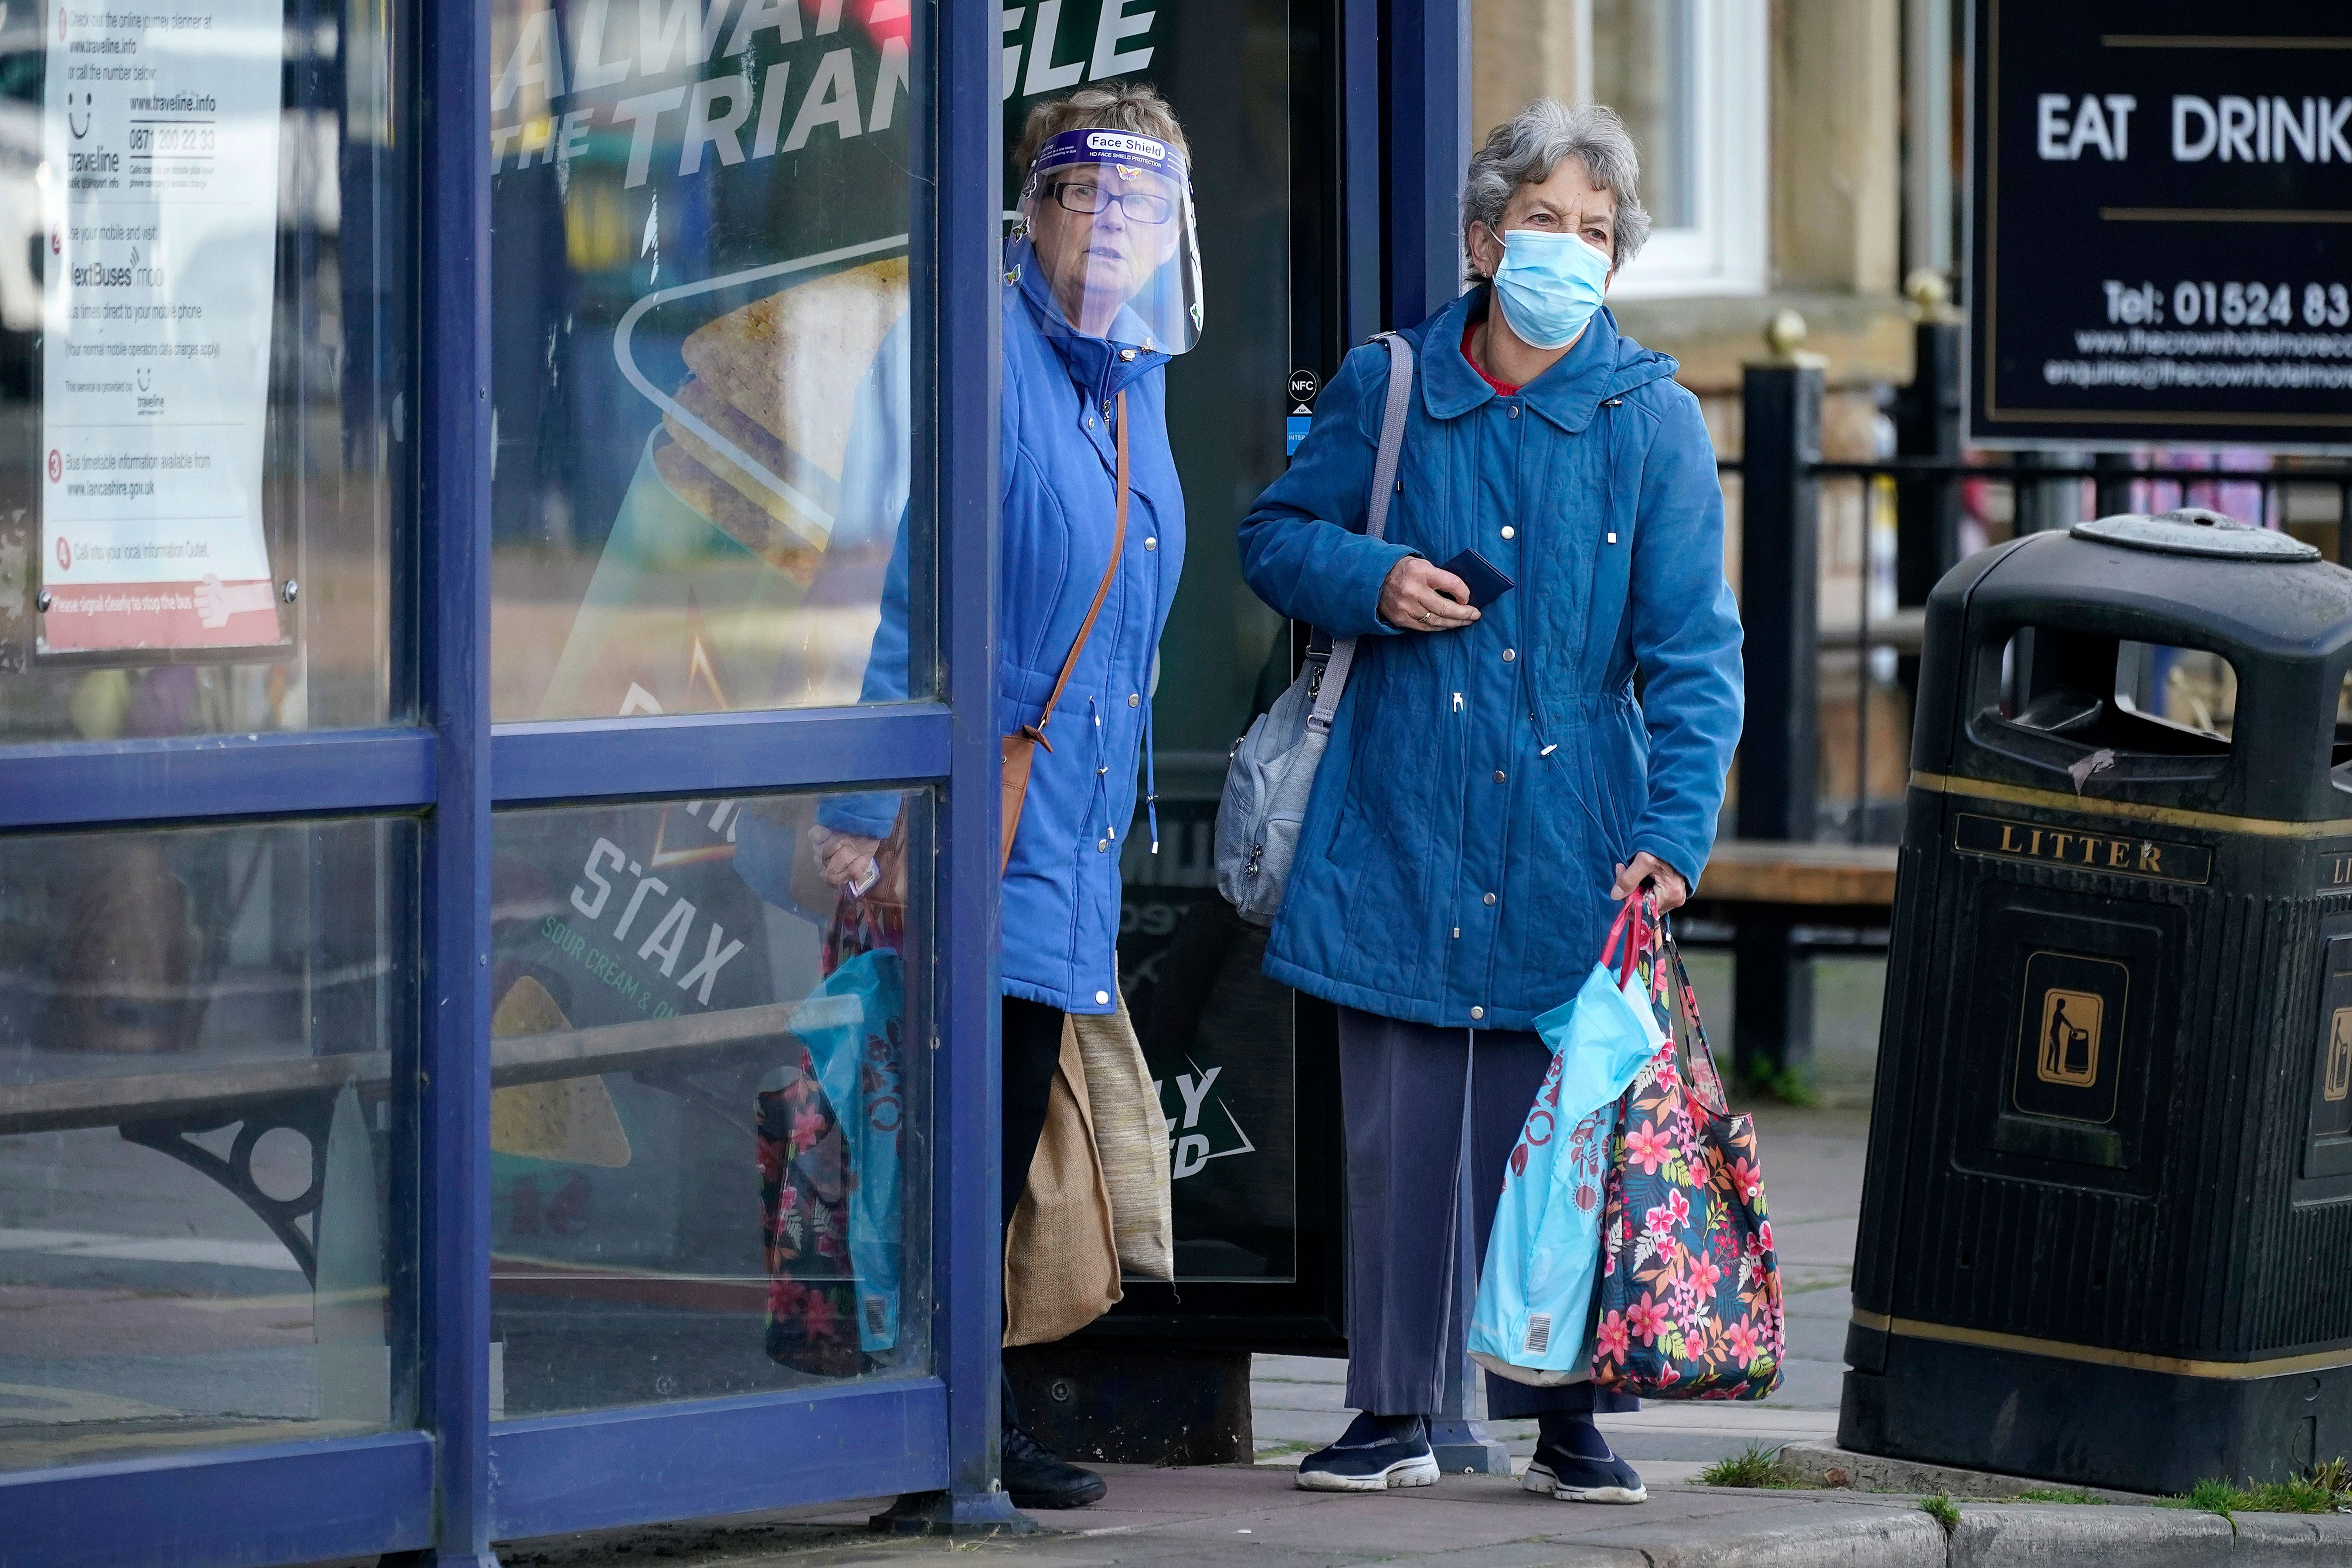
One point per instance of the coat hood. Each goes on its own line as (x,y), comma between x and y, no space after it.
(1604,364)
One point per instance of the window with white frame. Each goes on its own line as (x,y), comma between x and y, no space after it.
(1691,77)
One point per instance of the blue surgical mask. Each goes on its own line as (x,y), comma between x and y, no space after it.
(1548,286)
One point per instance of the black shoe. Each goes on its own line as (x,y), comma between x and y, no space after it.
(1572,1477)
(1033,1478)
(1375,1453)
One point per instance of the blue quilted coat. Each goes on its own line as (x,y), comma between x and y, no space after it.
(1482,785)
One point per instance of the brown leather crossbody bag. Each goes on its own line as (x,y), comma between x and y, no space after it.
(1021,748)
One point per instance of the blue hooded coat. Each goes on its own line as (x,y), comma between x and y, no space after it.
(1059,497)
(1481,786)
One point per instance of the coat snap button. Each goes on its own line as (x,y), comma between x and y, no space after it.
(1499,775)
(1509,655)
(1102,998)
(1133,699)
(1478,1013)
(1509,532)
(1490,898)
(1515,410)
(1151,544)
(1102,844)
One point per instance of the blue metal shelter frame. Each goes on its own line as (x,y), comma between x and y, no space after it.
(442,1492)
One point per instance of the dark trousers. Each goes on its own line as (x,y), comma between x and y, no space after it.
(1032,1049)
(1401,1090)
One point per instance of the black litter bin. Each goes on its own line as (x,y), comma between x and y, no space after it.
(2107,1233)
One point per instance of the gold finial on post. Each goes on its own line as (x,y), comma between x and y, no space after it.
(1782,335)
(1930,293)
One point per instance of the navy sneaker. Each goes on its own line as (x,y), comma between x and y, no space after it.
(1037,1478)
(1375,1453)
(1564,1467)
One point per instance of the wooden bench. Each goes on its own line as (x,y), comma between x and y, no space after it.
(1766,891)
(1793,884)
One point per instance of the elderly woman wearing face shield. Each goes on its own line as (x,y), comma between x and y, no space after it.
(1493,781)
(1101,287)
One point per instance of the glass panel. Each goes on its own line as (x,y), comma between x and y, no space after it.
(701,355)
(1644,68)
(206,1077)
(201,424)
(708,1146)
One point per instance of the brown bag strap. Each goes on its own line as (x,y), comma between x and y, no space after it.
(1117,552)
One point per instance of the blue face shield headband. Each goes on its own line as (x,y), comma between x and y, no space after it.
(1548,286)
(1108,217)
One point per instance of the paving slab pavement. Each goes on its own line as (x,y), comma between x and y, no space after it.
(1251,1517)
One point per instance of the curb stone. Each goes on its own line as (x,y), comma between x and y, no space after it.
(2046,1535)
(2295,1540)
(1861,1537)
(1875,1472)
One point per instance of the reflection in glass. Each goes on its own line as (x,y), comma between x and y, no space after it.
(700,352)
(1644,66)
(204,301)
(205,1065)
(706,1159)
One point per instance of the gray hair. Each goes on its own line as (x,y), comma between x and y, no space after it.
(1527,148)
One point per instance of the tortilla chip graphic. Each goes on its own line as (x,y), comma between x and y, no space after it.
(573,1119)
(786,368)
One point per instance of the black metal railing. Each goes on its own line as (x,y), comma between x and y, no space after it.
(1858,818)
(1945,502)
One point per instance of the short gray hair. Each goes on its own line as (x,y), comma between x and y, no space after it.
(1527,148)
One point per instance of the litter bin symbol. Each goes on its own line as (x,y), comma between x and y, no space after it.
(2071,1054)
(2340,1055)
(2069,1035)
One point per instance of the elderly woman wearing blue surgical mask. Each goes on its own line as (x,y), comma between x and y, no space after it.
(1493,783)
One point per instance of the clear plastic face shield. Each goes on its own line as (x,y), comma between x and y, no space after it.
(1106,227)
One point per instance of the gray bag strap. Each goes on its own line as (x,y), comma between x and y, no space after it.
(1334,684)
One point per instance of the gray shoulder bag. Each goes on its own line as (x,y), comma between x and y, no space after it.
(1272,771)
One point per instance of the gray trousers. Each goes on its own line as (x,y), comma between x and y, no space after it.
(1403,1091)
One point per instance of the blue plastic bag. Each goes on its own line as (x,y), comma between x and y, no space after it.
(853,1026)
(1531,1322)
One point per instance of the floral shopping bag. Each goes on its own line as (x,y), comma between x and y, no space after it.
(1689,1301)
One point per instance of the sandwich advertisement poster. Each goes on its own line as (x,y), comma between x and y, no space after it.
(160,134)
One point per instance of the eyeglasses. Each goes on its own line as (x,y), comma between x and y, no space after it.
(1085,196)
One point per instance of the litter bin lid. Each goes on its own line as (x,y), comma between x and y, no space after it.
(2193,530)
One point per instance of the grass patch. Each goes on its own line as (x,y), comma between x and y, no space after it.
(2322,1488)
(1942,1510)
(1787,1085)
(1758,1465)
(2058,1494)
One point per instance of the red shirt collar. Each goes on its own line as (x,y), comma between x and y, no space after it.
(1469,330)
